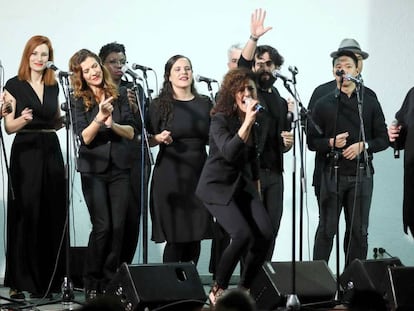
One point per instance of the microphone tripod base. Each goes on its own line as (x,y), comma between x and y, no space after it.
(292,302)
(67,291)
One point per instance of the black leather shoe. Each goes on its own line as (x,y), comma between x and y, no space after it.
(16,294)
(91,294)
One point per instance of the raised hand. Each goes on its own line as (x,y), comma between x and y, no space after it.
(256,23)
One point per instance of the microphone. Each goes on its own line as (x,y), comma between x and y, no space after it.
(140,67)
(258,107)
(382,251)
(353,79)
(127,70)
(59,73)
(277,74)
(394,143)
(375,252)
(293,69)
(204,79)
(340,73)
(289,119)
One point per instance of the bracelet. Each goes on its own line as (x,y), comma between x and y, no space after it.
(99,122)
(253,38)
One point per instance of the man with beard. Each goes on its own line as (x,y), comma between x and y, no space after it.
(271,123)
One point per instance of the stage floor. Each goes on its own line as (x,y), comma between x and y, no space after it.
(55,304)
(52,304)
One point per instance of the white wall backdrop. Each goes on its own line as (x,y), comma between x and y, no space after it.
(305,33)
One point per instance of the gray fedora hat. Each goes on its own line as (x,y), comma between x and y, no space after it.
(350,45)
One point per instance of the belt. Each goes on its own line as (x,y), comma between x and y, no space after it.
(37,131)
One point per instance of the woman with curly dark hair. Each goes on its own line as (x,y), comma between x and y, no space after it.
(103,122)
(229,184)
(180,120)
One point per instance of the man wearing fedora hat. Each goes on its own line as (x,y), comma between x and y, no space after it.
(346,44)
(344,157)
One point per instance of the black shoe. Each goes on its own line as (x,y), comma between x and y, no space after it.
(91,294)
(16,294)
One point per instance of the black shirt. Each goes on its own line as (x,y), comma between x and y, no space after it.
(338,115)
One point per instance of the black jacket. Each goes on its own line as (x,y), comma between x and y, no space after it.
(107,147)
(231,164)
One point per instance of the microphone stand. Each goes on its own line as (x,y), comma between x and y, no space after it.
(11,190)
(293,302)
(359,88)
(210,91)
(145,146)
(67,285)
(335,156)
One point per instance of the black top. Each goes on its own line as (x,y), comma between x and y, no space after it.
(178,216)
(271,122)
(338,115)
(328,87)
(405,117)
(321,91)
(231,164)
(107,147)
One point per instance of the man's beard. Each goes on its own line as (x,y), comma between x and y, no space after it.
(265,79)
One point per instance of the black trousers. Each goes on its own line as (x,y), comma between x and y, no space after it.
(137,197)
(106,196)
(272,197)
(355,193)
(248,224)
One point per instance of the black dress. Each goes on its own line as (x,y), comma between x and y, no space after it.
(35,218)
(177,214)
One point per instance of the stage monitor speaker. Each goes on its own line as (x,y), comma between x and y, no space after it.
(371,274)
(168,286)
(401,289)
(314,283)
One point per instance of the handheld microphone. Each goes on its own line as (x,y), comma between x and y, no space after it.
(59,73)
(204,79)
(276,74)
(289,120)
(353,79)
(140,67)
(394,143)
(127,70)
(258,106)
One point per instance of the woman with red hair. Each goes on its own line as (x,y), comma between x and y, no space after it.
(36,200)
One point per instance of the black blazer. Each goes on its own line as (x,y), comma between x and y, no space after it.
(231,165)
(107,147)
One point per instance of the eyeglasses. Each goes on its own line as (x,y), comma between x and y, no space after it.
(266,63)
(119,62)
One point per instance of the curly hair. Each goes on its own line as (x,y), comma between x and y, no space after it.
(274,54)
(80,87)
(233,82)
(110,48)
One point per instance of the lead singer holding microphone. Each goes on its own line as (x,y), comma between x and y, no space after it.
(229,184)
(103,122)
